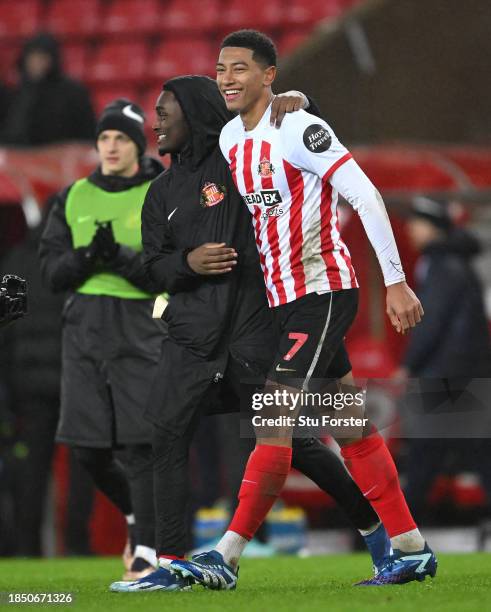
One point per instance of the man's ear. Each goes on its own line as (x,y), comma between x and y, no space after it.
(269,76)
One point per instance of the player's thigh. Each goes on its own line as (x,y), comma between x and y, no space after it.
(311,337)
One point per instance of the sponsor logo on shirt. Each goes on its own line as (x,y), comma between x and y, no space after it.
(265,168)
(212,194)
(316,138)
(265,197)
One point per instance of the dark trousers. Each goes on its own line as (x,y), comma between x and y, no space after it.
(171,476)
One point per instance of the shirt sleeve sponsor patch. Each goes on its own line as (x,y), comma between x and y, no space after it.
(316,138)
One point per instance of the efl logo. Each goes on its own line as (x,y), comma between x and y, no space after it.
(266,197)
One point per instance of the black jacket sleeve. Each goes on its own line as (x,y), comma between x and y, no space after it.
(129,264)
(62,267)
(313,109)
(166,264)
(442,288)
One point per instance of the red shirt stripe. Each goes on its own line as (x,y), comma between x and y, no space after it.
(262,259)
(248,180)
(232,155)
(296,186)
(335,166)
(272,228)
(332,269)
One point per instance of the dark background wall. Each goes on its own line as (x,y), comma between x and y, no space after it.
(426,75)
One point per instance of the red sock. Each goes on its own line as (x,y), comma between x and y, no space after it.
(169,557)
(372,468)
(264,477)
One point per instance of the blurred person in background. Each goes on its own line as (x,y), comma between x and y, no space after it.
(449,348)
(30,366)
(111,345)
(43,106)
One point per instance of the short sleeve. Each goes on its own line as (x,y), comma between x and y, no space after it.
(312,145)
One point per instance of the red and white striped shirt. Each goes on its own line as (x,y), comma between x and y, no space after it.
(283,176)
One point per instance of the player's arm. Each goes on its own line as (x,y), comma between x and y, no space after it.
(312,145)
(165,264)
(62,266)
(291,102)
(403,307)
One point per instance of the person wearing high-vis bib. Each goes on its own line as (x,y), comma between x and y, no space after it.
(91,248)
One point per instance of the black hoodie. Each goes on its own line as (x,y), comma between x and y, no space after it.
(452,339)
(55,108)
(193,202)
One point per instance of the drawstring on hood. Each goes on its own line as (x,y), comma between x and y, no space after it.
(204,110)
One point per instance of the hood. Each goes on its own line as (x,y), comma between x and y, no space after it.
(42,42)
(150,168)
(458,241)
(205,112)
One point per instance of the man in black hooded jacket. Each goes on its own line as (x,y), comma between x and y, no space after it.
(42,107)
(219,325)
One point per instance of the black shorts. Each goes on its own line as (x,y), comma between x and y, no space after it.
(310,334)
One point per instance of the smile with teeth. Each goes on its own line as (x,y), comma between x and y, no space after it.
(231,93)
(161,137)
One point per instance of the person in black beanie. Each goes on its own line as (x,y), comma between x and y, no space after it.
(91,248)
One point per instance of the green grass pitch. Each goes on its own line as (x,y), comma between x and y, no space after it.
(463,582)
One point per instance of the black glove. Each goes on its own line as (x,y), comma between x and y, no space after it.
(106,246)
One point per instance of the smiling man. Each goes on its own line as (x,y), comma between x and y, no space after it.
(289,179)
(199,246)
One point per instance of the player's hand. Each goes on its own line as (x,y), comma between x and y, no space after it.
(287,102)
(107,247)
(212,258)
(403,307)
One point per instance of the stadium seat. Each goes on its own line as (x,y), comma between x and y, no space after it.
(73,17)
(19,18)
(258,14)
(291,40)
(9,54)
(310,12)
(184,16)
(102,96)
(118,62)
(128,16)
(75,60)
(190,56)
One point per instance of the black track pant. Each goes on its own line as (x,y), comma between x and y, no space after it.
(127,484)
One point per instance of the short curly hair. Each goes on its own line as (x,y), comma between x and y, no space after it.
(262,47)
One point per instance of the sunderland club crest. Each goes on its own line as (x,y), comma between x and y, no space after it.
(265,168)
(212,194)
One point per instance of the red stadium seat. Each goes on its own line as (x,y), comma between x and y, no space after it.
(9,54)
(184,16)
(239,14)
(75,60)
(102,96)
(174,58)
(128,16)
(309,12)
(291,40)
(147,102)
(73,17)
(19,18)
(119,62)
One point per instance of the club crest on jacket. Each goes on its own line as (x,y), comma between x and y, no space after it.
(212,194)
